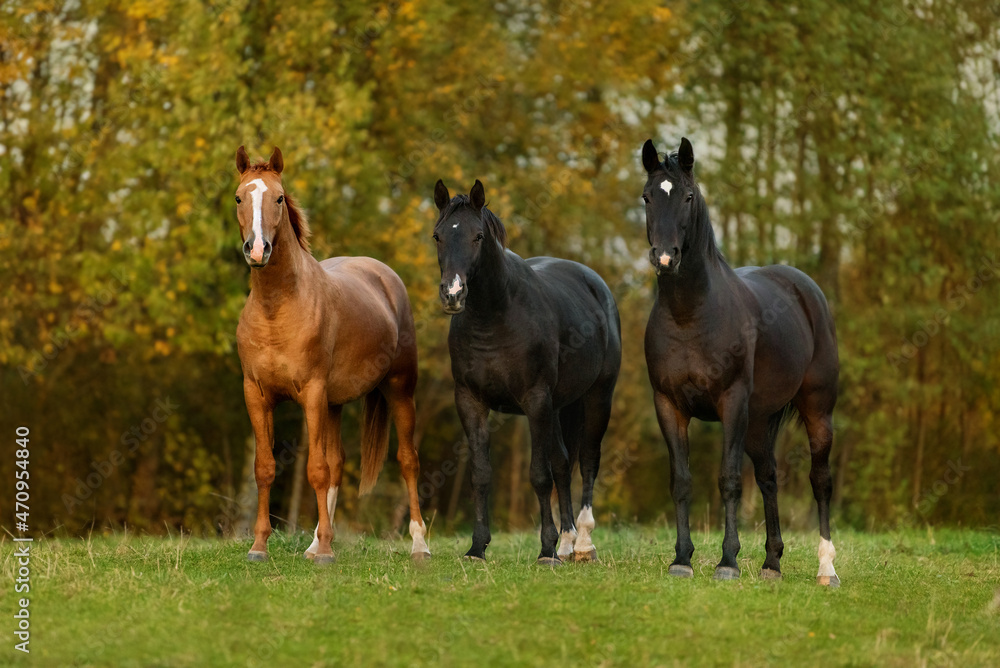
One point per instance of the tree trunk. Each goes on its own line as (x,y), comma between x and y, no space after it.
(246,500)
(918,463)
(456,490)
(298,478)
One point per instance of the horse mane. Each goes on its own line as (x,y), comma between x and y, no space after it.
(297,217)
(672,164)
(490,220)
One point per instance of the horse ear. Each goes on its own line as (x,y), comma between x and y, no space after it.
(650,159)
(441,195)
(685,155)
(276,163)
(242,160)
(478,196)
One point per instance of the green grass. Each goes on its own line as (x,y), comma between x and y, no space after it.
(908,599)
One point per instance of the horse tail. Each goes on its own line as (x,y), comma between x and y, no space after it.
(374,438)
(779,420)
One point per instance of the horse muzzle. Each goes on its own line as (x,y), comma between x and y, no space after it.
(665,261)
(452,294)
(256,251)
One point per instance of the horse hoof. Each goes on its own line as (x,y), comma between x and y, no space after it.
(588,557)
(324,559)
(420,556)
(726,573)
(309,555)
(549,561)
(828,581)
(565,558)
(472,557)
(255,555)
(769,574)
(681,571)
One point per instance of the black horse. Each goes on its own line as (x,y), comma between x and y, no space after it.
(538,337)
(745,348)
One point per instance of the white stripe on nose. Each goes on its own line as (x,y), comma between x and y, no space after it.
(456,286)
(257,197)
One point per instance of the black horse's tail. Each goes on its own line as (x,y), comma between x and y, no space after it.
(374,438)
(779,420)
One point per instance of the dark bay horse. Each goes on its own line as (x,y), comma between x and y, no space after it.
(744,348)
(321,334)
(538,337)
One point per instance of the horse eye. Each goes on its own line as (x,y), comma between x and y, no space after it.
(238,200)
(281,198)
(645,198)
(689,197)
(479,237)
(436,238)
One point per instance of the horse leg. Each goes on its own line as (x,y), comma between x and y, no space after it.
(761,434)
(562,457)
(674,427)
(819,427)
(261,412)
(335,460)
(474,415)
(317,413)
(401,405)
(543,423)
(597,414)
(734,413)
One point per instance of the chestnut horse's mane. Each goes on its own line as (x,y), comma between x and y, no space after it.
(300,225)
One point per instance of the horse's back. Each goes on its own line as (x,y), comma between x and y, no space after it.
(373,279)
(562,279)
(777,285)
(796,328)
(590,327)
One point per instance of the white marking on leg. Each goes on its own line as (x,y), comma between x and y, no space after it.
(566,541)
(664,259)
(331,507)
(584,525)
(418,531)
(456,286)
(826,554)
(257,196)
(666,186)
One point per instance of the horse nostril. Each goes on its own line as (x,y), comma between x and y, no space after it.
(676,250)
(267,247)
(246,246)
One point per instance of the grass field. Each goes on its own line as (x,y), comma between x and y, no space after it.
(908,599)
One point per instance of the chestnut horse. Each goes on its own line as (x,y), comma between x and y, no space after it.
(321,334)
(745,348)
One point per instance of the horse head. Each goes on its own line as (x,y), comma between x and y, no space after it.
(465,233)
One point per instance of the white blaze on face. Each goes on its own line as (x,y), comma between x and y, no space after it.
(584,525)
(257,198)
(456,286)
(826,554)
(666,186)
(331,507)
(418,531)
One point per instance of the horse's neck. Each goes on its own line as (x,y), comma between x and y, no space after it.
(489,290)
(701,282)
(280,282)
